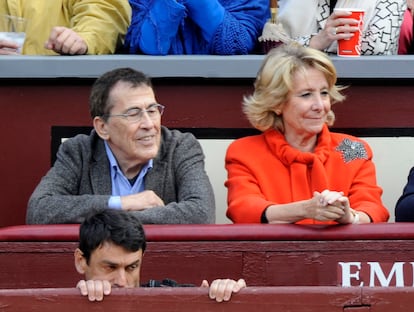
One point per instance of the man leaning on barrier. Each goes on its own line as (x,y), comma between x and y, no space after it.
(129,161)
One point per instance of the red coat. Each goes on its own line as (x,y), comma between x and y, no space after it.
(264,170)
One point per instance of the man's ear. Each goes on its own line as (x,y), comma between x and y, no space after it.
(80,261)
(100,127)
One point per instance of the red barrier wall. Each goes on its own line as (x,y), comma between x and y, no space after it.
(264,255)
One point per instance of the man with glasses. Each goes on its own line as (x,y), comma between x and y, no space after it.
(129,161)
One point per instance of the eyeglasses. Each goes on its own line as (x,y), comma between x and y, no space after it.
(154,111)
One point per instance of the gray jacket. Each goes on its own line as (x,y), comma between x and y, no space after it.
(79,183)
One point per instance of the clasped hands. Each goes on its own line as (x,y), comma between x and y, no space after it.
(331,205)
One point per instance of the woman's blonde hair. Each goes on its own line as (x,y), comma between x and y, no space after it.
(274,82)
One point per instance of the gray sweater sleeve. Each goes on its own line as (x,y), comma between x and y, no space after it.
(66,194)
(180,179)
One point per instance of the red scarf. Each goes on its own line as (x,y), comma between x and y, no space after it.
(306,169)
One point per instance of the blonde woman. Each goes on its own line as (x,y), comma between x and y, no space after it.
(297,170)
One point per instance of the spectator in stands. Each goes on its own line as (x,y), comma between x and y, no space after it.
(223,27)
(69,26)
(297,171)
(129,161)
(320,27)
(405,45)
(404,209)
(110,254)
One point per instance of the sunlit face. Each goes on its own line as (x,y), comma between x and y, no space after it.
(133,143)
(112,263)
(305,112)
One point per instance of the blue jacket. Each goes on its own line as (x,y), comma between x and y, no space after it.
(223,27)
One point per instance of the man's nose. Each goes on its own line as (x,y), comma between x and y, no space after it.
(120,280)
(146,119)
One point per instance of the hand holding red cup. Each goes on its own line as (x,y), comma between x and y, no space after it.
(351,47)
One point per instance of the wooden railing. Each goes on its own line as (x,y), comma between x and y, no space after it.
(277,299)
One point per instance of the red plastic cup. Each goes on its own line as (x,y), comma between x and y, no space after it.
(352,47)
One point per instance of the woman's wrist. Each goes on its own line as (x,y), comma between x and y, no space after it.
(355,216)
(319,42)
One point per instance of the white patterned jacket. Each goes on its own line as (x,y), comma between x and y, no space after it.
(382,23)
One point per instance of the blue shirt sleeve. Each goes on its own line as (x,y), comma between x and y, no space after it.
(114,202)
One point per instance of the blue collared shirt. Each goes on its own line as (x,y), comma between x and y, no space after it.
(120,184)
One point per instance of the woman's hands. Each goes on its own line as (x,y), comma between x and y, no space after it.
(330,202)
(327,206)
(332,205)
(323,206)
(338,26)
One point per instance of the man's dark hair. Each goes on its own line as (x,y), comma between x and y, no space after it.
(116,226)
(99,98)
